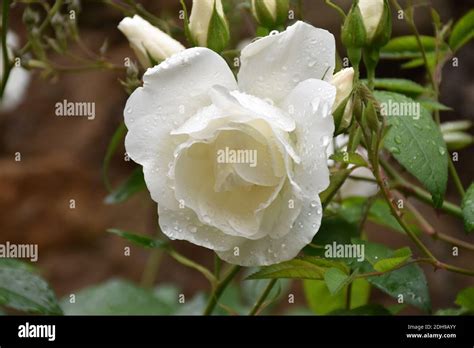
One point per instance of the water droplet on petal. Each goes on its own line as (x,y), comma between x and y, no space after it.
(314,204)
(325,140)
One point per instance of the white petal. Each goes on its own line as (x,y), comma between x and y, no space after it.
(233,211)
(268,250)
(272,66)
(183,224)
(310,103)
(166,102)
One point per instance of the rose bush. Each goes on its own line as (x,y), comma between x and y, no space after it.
(190,107)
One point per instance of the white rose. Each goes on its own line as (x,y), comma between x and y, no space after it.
(371,11)
(18,80)
(148,41)
(190,109)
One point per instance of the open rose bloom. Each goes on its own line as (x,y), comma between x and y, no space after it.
(191,108)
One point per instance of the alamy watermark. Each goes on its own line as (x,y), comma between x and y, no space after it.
(245,156)
(19,251)
(345,251)
(392,108)
(75,109)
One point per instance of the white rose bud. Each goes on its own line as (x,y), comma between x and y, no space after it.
(342,108)
(377,21)
(208,26)
(149,43)
(270,13)
(371,11)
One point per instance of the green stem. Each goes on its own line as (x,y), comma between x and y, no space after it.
(263,297)
(190,263)
(6,60)
(337,8)
(219,289)
(151,268)
(56,7)
(432,259)
(432,232)
(402,185)
(348,296)
(455,176)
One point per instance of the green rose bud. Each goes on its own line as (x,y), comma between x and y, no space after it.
(208,26)
(270,13)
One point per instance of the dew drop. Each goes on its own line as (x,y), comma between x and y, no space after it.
(325,140)
(441,150)
(274,32)
(395,150)
(398,139)
(314,204)
(129,110)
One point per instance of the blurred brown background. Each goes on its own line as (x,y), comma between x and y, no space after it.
(62,158)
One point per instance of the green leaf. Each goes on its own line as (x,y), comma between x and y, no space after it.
(409,281)
(251,290)
(321,301)
(335,279)
(433,105)
(307,267)
(370,309)
(468,209)
(416,142)
(349,157)
(334,229)
(23,290)
(111,148)
(135,183)
(115,297)
(139,239)
(465,298)
(463,31)
(417,62)
(401,256)
(402,86)
(405,47)
(452,311)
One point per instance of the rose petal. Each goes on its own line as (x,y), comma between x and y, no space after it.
(272,66)
(165,102)
(268,250)
(310,104)
(183,224)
